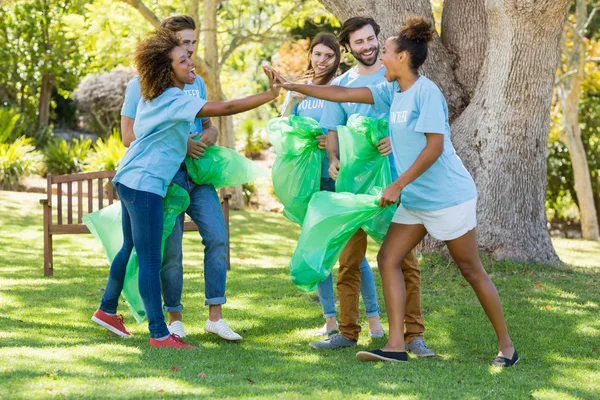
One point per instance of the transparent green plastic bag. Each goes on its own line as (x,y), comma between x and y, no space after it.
(362,168)
(297,169)
(331,220)
(222,167)
(105,225)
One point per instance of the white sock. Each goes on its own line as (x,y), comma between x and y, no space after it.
(163,338)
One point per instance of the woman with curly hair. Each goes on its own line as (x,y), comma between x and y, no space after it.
(439,196)
(162,127)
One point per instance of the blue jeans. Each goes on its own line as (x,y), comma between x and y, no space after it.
(205,210)
(142,222)
(367,282)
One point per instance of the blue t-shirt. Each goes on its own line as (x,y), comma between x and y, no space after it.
(422,109)
(313,108)
(162,127)
(133,95)
(335,114)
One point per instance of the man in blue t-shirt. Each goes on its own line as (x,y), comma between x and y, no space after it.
(205,206)
(359,37)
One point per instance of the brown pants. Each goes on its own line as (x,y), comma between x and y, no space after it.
(348,286)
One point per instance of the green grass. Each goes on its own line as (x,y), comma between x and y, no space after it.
(50,349)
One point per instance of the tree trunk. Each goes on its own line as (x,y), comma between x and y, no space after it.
(45,97)
(464,34)
(213,87)
(502,135)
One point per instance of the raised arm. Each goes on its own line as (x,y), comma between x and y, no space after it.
(337,94)
(222,108)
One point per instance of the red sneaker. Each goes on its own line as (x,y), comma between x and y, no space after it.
(113,323)
(172,341)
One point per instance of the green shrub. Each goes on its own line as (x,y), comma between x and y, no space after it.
(17,160)
(107,154)
(66,157)
(8,122)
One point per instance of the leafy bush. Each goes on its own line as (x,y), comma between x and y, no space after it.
(66,157)
(107,154)
(8,123)
(17,160)
(100,97)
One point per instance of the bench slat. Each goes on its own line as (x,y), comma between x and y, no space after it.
(100,193)
(59,203)
(82,176)
(90,197)
(79,202)
(70,203)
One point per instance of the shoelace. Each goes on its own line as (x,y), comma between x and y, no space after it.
(177,338)
(121,319)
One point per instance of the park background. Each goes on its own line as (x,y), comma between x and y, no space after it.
(64,68)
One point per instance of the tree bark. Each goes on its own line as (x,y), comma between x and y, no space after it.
(464,34)
(213,87)
(45,97)
(502,134)
(569,93)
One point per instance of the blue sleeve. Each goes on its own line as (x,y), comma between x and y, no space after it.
(132,98)
(383,96)
(433,111)
(202,89)
(185,108)
(333,116)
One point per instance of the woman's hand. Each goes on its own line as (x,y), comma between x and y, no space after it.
(385,146)
(334,169)
(390,195)
(280,81)
(271,74)
(322,142)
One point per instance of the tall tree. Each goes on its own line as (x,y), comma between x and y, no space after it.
(501,120)
(224,28)
(569,88)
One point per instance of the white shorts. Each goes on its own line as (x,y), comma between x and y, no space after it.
(445,224)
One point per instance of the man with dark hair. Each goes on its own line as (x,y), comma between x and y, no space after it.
(359,37)
(205,206)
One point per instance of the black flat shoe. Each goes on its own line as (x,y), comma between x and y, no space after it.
(380,355)
(506,362)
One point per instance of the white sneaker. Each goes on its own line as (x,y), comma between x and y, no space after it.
(176,328)
(222,329)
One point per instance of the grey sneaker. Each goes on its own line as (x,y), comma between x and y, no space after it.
(419,348)
(333,342)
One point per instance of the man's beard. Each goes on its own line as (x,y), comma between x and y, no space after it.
(367,62)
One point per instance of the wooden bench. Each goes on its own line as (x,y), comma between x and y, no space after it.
(86,193)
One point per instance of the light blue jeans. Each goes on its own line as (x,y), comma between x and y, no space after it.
(205,210)
(367,281)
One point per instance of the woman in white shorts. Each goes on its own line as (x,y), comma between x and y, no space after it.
(439,196)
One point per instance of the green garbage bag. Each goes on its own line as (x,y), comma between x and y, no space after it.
(105,225)
(362,168)
(331,220)
(297,169)
(222,167)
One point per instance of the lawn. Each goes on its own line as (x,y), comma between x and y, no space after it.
(49,348)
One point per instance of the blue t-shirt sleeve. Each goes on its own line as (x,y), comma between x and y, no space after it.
(383,96)
(433,111)
(202,89)
(185,108)
(333,115)
(132,98)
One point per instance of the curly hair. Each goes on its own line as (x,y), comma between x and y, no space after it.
(413,37)
(152,59)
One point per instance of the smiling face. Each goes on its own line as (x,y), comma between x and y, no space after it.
(188,40)
(182,67)
(364,46)
(322,59)
(394,62)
